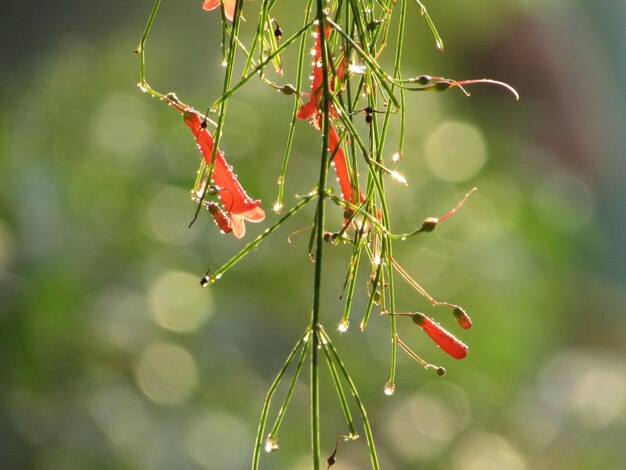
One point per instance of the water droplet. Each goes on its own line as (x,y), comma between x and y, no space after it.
(356,68)
(398,177)
(277,207)
(390,388)
(224,63)
(271,443)
(396,157)
(343,325)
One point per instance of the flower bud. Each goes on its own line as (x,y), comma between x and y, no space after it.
(462,318)
(429,224)
(444,339)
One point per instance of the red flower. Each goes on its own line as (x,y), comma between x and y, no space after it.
(310,110)
(229,7)
(236,202)
(444,339)
(341,167)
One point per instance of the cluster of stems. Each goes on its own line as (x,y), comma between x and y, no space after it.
(351,101)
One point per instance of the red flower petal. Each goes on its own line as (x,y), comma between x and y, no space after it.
(310,110)
(444,339)
(341,167)
(229,7)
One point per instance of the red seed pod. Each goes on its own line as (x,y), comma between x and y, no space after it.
(221,218)
(444,339)
(462,318)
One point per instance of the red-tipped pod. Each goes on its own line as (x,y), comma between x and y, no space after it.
(444,339)
(236,202)
(462,318)
(221,218)
(229,7)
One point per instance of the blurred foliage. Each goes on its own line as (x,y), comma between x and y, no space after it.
(113,357)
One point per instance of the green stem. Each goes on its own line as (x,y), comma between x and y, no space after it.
(292,127)
(339,389)
(284,45)
(292,386)
(366,424)
(142,43)
(270,394)
(210,279)
(319,228)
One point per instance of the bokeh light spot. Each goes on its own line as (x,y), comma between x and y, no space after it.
(166,374)
(178,303)
(168,215)
(456,151)
(215,440)
(421,426)
(483,451)
(122,126)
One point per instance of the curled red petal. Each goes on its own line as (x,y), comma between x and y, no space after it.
(444,339)
(209,5)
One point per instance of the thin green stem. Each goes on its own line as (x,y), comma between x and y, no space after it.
(270,393)
(142,45)
(292,386)
(366,424)
(211,278)
(284,45)
(339,389)
(292,126)
(319,229)
(381,76)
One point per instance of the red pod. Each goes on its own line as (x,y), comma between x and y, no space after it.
(444,339)
(235,201)
(229,7)
(462,318)
(221,218)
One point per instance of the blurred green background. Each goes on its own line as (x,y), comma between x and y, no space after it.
(112,356)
